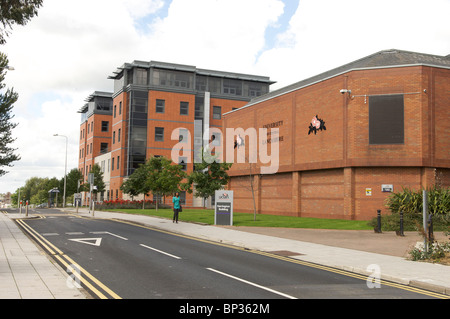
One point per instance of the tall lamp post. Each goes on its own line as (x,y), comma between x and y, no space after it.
(65,171)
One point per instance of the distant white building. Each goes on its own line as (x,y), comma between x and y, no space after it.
(104,161)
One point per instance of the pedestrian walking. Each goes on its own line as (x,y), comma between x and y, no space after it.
(176,207)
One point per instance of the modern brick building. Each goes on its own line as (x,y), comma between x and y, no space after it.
(349,136)
(95,130)
(155,106)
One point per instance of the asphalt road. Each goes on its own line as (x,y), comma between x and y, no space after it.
(121,260)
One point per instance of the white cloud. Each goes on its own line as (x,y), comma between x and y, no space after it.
(326,34)
(225,35)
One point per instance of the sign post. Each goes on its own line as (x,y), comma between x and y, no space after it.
(425,213)
(77,199)
(223,212)
(91,184)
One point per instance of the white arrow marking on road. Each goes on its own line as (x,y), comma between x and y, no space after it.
(97,241)
(105,232)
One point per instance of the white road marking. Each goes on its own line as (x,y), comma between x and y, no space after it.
(105,232)
(252,283)
(162,252)
(96,241)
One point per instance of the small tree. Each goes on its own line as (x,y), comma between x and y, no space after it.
(98,180)
(72,180)
(208,176)
(137,183)
(164,178)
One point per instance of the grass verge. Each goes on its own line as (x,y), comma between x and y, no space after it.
(206,216)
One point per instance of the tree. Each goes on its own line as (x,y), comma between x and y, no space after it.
(163,177)
(36,190)
(16,12)
(72,179)
(11,12)
(136,183)
(98,179)
(7,99)
(208,176)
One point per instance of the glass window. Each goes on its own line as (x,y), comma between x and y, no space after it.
(160,106)
(232,87)
(159,134)
(103,148)
(200,83)
(199,100)
(105,126)
(217,112)
(103,103)
(254,89)
(181,80)
(172,78)
(138,140)
(215,85)
(184,108)
(141,76)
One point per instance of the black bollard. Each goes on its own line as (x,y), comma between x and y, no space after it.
(378,230)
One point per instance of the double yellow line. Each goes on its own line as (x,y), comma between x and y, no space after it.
(89,281)
(355,275)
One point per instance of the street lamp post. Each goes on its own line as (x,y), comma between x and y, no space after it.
(65,171)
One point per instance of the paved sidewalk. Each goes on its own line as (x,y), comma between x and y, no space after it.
(26,272)
(434,277)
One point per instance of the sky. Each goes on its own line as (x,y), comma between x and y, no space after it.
(67,52)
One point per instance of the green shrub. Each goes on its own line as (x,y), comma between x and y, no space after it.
(411,203)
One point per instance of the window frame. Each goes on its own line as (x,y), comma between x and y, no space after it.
(186,105)
(163,106)
(159,134)
(215,115)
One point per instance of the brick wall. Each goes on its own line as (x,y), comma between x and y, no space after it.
(327,174)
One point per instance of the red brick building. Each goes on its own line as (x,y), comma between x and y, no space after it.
(153,107)
(349,136)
